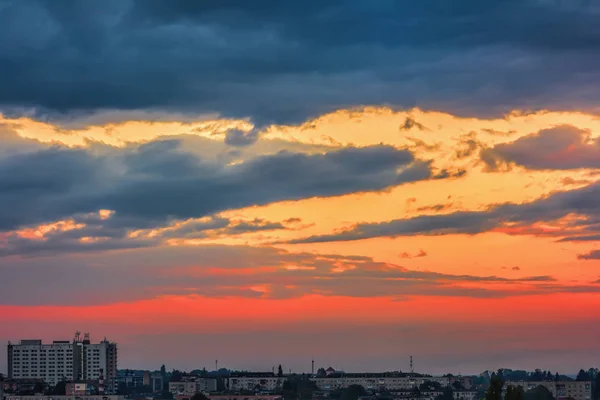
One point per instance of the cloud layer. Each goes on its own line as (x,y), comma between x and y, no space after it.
(510,218)
(564,147)
(285,62)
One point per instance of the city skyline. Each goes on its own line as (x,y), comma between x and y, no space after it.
(274,182)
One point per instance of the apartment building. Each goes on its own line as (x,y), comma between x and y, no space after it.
(187,389)
(560,390)
(376,383)
(63,360)
(129,378)
(254,383)
(433,394)
(91,397)
(191,386)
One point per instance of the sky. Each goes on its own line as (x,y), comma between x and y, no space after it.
(273,182)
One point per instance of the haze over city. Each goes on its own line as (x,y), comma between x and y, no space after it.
(274,182)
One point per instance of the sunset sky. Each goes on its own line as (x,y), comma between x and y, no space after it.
(269,182)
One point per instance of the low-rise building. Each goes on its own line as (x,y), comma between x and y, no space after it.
(192,385)
(432,394)
(81,389)
(92,397)
(184,388)
(244,397)
(133,378)
(254,383)
(387,383)
(561,390)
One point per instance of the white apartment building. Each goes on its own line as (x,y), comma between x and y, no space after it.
(433,394)
(182,388)
(375,383)
(560,390)
(190,387)
(265,383)
(64,360)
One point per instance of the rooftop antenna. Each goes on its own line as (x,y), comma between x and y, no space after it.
(411,366)
(77,336)
(216,365)
(312,370)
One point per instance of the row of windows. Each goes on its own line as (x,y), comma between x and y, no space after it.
(44,351)
(43,358)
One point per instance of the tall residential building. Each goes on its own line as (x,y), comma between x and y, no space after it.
(64,360)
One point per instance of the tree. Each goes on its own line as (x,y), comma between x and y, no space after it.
(298,387)
(514,393)
(582,376)
(39,387)
(199,396)
(447,394)
(353,392)
(494,391)
(597,387)
(60,389)
(176,376)
(430,385)
(163,370)
(538,393)
(321,372)
(279,371)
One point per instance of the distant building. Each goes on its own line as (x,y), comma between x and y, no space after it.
(64,361)
(373,382)
(130,378)
(244,397)
(24,386)
(561,390)
(157,381)
(432,394)
(94,397)
(192,385)
(265,383)
(81,389)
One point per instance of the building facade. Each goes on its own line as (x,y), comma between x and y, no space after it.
(92,397)
(131,378)
(254,383)
(376,383)
(191,386)
(64,361)
(561,390)
(433,394)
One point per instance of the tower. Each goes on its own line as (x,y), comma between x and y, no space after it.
(411,365)
(312,369)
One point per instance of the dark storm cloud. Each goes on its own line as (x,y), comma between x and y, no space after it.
(150,184)
(582,201)
(563,147)
(285,61)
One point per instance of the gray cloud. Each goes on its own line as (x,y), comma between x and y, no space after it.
(563,147)
(592,255)
(287,61)
(151,184)
(582,201)
(238,138)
